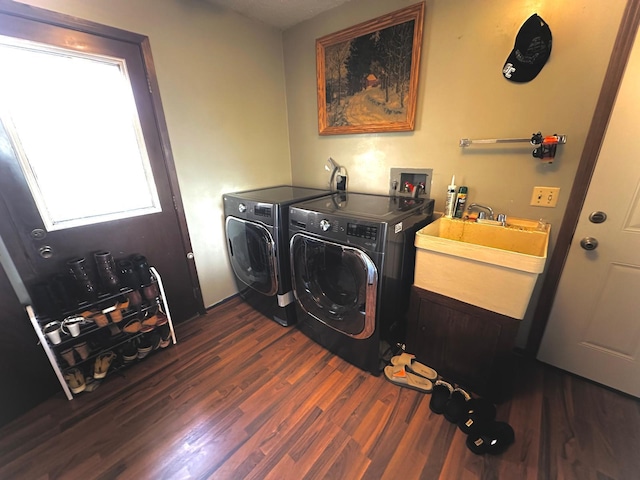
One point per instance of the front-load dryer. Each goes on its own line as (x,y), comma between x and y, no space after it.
(256,227)
(352,261)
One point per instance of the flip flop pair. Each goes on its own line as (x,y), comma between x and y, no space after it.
(407,372)
(399,375)
(412,365)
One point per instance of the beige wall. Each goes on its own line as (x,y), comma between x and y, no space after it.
(462,94)
(221,80)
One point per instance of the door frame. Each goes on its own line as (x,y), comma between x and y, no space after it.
(595,137)
(19,10)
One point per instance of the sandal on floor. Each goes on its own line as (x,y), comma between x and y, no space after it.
(399,376)
(456,407)
(440,396)
(480,412)
(409,361)
(493,439)
(75,380)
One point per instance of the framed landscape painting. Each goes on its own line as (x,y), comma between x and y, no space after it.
(368,74)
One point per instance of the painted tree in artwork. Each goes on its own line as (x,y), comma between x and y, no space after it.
(359,65)
(394,47)
(336,57)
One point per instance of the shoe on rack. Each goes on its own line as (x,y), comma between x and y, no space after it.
(156,339)
(165,334)
(130,351)
(102,364)
(100,319)
(83,350)
(132,326)
(145,345)
(116,314)
(69,357)
(91,384)
(151,321)
(75,380)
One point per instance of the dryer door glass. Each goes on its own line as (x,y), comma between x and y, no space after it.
(335,284)
(252,254)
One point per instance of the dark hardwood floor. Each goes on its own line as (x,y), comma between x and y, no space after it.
(242,397)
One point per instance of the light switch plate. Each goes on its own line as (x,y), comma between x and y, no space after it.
(545,196)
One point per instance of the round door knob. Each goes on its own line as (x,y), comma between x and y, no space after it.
(242,208)
(324,225)
(46,251)
(589,243)
(190,256)
(597,217)
(38,233)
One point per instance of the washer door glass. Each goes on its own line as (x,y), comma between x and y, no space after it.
(336,284)
(252,254)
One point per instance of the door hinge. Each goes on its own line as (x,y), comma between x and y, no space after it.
(175,203)
(149,85)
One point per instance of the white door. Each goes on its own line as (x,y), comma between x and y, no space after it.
(594,326)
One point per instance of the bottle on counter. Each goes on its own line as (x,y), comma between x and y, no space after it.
(461,200)
(450,203)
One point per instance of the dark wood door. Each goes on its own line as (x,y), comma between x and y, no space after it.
(162,237)
(25,374)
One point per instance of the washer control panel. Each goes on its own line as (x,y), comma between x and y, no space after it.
(325,225)
(370,232)
(263,212)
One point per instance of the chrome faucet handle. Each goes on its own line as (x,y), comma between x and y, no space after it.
(489,210)
(482,215)
(502,218)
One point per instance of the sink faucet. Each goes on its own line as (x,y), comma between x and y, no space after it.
(478,206)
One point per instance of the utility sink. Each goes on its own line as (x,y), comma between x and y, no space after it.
(491,266)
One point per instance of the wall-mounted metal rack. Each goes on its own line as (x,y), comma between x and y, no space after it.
(545,146)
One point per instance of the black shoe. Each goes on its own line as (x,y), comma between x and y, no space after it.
(456,407)
(493,439)
(440,396)
(480,412)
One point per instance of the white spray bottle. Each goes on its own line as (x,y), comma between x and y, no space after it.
(450,203)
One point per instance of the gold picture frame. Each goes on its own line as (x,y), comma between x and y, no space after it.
(368,74)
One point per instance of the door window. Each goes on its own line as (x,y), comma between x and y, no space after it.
(71,116)
(335,284)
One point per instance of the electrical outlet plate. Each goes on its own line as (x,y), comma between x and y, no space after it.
(545,196)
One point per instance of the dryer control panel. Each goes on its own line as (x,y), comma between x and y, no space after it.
(262,212)
(362,233)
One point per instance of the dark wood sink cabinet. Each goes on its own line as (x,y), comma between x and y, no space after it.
(465,344)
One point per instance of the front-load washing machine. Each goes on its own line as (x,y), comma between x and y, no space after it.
(352,263)
(256,227)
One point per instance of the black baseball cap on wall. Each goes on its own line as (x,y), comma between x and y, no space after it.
(530,52)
